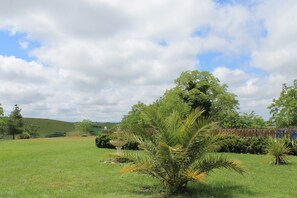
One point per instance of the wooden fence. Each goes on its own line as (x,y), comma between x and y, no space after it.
(275,133)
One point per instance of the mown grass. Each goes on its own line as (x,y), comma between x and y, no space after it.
(74,167)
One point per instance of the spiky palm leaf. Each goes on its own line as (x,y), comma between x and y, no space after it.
(176,152)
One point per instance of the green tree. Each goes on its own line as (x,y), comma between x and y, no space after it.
(284,109)
(176,150)
(203,90)
(83,127)
(135,116)
(15,122)
(193,89)
(245,120)
(2,122)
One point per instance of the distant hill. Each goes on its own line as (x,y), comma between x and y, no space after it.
(47,126)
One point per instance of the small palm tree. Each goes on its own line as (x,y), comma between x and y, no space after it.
(176,151)
(278,149)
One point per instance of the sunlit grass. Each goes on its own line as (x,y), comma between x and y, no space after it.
(74,167)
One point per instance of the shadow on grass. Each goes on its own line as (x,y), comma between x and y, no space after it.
(218,190)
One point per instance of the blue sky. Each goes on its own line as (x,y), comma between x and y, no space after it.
(100,58)
(10,45)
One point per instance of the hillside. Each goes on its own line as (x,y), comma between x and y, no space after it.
(47,126)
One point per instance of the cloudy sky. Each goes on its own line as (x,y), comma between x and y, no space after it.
(93,59)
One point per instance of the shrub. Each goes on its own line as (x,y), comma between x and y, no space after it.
(56,134)
(102,141)
(235,144)
(24,135)
(278,150)
(256,145)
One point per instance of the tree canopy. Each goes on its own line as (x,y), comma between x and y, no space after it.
(2,122)
(15,122)
(284,108)
(193,90)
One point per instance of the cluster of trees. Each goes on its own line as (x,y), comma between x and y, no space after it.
(193,90)
(178,138)
(201,89)
(13,124)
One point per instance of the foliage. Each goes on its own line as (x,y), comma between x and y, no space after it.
(15,122)
(193,89)
(24,135)
(32,131)
(84,127)
(3,125)
(236,144)
(102,141)
(245,120)
(177,152)
(135,116)
(56,134)
(203,90)
(278,149)
(284,109)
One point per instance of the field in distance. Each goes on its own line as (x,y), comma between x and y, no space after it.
(48,126)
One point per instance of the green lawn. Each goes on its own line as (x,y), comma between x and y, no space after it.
(74,167)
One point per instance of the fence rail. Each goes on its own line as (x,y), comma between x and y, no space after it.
(275,133)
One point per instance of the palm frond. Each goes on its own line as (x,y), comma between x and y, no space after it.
(212,162)
(197,176)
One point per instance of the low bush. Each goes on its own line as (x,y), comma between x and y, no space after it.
(235,144)
(103,141)
(24,135)
(56,134)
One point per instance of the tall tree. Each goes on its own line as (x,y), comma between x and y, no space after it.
(2,122)
(284,108)
(15,122)
(84,127)
(193,90)
(203,90)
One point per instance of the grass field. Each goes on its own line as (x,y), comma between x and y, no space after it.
(74,167)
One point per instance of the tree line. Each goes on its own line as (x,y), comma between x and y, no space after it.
(13,124)
(195,89)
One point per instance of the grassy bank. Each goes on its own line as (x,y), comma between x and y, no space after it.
(74,167)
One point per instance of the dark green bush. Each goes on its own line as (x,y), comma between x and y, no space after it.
(24,135)
(102,141)
(256,145)
(56,134)
(235,144)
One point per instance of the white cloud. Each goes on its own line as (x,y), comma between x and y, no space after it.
(99,57)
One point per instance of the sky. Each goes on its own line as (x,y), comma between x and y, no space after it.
(94,59)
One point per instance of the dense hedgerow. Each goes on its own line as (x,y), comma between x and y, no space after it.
(253,145)
(102,141)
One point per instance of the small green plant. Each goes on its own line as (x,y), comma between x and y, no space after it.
(178,151)
(278,149)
